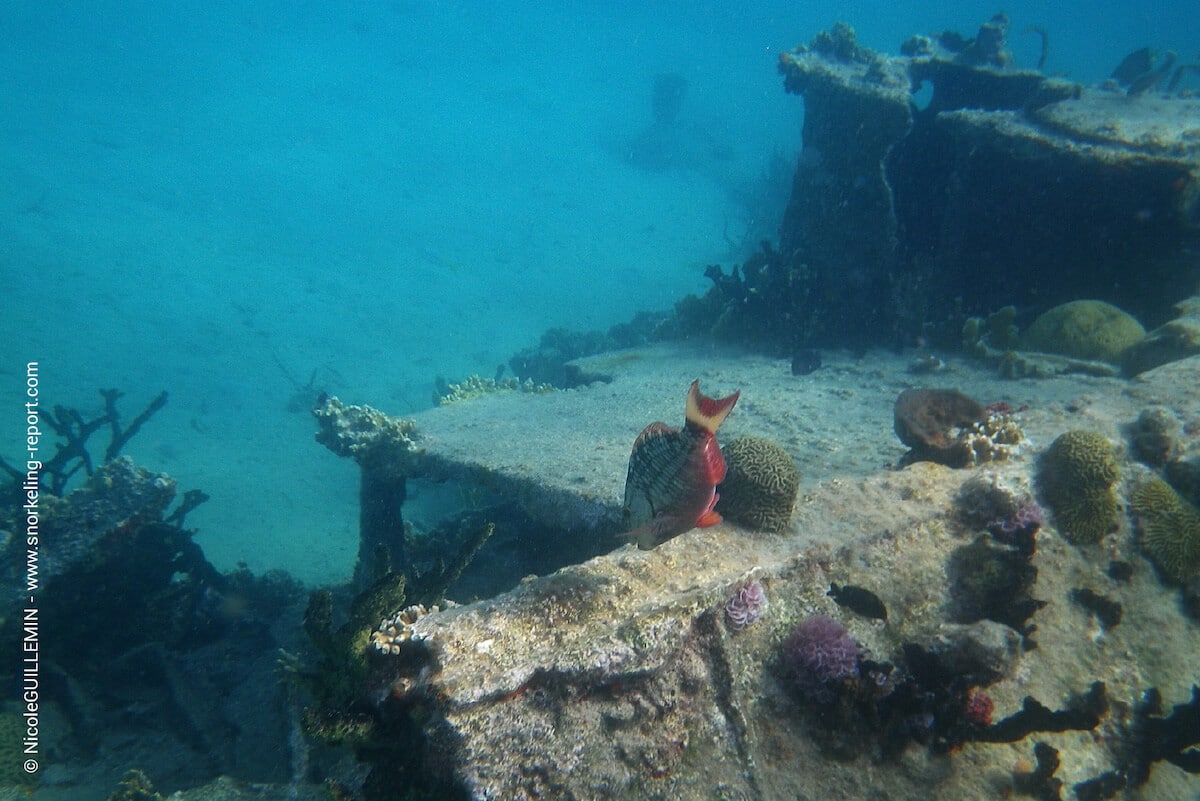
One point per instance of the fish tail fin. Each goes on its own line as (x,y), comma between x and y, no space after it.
(708,413)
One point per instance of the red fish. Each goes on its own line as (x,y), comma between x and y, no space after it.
(671,486)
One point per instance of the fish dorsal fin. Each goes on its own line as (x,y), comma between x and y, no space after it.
(653,431)
(707,413)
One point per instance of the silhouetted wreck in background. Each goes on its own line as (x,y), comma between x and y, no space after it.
(1007,187)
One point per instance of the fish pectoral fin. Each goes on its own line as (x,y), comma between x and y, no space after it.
(709,518)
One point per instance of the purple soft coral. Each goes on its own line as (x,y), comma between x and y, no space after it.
(1020,529)
(1029,517)
(819,653)
(746,606)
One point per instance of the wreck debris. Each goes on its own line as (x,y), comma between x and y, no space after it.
(1044,37)
(1175,339)
(386,451)
(1147,81)
(928,197)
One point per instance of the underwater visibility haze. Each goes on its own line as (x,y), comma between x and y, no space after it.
(331,329)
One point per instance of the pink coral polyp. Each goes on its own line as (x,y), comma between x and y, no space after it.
(746,606)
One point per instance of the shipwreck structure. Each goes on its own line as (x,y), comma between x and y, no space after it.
(945,183)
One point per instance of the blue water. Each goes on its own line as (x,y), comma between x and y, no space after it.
(226,200)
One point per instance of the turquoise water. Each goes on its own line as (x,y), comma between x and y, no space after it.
(235,201)
(246,203)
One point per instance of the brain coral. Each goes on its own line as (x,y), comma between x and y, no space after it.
(1084,329)
(1076,477)
(1170,529)
(760,485)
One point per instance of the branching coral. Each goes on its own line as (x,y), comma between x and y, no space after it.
(995,438)
(74,431)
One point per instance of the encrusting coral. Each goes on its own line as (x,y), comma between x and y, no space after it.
(1170,529)
(373,439)
(1076,477)
(477,387)
(392,633)
(761,483)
